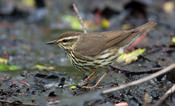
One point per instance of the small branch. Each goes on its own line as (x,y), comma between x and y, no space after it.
(169,92)
(127,72)
(163,71)
(138,40)
(80,18)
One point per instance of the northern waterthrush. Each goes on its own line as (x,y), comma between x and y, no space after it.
(97,50)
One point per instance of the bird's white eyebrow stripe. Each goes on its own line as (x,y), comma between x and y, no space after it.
(69,38)
(75,37)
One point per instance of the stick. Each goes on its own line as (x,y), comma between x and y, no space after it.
(170,91)
(165,70)
(80,18)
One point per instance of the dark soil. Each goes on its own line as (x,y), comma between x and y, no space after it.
(22,42)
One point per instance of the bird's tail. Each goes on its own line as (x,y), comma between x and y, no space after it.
(146,27)
(137,32)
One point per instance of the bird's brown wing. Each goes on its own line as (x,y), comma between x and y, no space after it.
(90,44)
(94,43)
(127,37)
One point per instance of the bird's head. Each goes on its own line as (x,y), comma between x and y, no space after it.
(67,40)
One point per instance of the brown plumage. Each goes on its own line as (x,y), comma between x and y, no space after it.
(94,43)
(97,50)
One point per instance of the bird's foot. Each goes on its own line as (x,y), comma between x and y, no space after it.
(96,85)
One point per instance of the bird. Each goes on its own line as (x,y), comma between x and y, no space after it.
(97,50)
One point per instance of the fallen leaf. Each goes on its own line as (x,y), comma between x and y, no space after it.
(73,87)
(126,26)
(3,61)
(127,58)
(5,67)
(173,40)
(29,3)
(42,67)
(105,23)
(13,67)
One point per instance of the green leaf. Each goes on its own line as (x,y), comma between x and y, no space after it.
(13,67)
(5,67)
(74,22)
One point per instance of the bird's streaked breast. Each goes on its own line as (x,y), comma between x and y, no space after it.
(92,63)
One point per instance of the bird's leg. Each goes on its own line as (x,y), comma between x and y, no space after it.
(88,79)
(99,80)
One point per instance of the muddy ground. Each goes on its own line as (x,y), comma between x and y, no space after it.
(22,42)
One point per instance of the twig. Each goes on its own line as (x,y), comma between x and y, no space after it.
(80,18)
(127,72)
(138,40)
(170,91)
(165,70)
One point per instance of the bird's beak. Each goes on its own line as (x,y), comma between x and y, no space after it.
(54,42)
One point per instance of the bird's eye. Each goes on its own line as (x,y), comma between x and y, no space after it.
(65,40)
(68,40)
